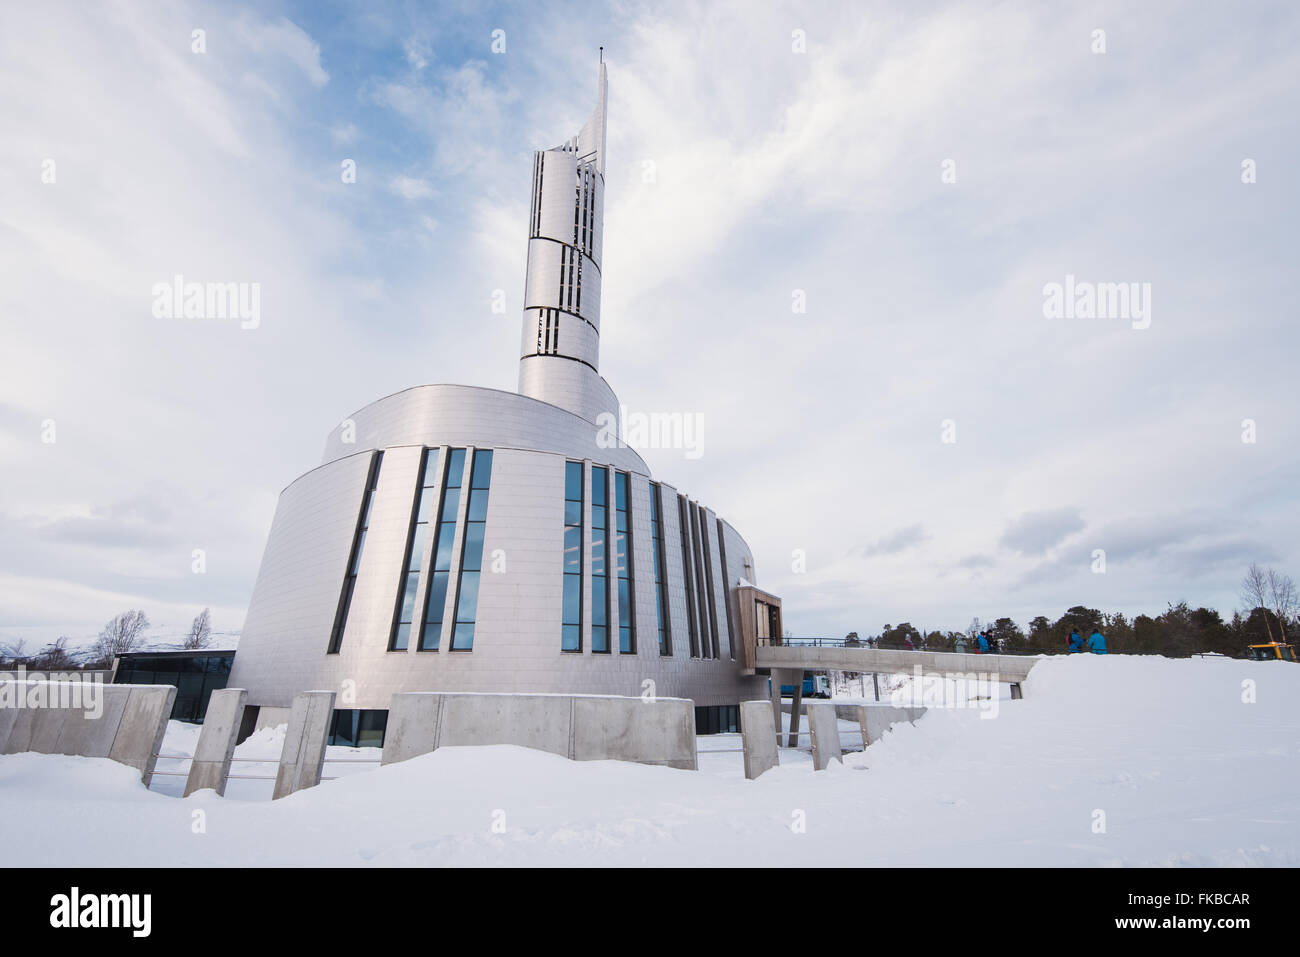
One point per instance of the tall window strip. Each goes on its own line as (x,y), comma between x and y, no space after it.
(354,559)
(708,579)
(688,573)
(726,592)
(539,160)
(706,646)
(623,553)
(548,331)
(599,565)
(471,553)
(571,617)
(426,494)
(661,573)
(435,596)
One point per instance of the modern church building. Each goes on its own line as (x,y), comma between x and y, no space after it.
(457,538)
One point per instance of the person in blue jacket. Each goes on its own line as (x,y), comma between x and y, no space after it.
(1097,642)
(984,644)
(1076,643)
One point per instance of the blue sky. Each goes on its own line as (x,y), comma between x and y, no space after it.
(773,171)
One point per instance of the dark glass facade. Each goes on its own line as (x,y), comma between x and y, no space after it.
(717,719)
(358,728)
(196,674)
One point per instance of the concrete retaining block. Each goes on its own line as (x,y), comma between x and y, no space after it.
(127,723)
(303,756)
(825,736)
(880,719)
(648,731)
(757,739)
(578,727)
(211,765)
(143,724)
(541,722)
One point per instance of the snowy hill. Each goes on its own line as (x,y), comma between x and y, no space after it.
(1107,761)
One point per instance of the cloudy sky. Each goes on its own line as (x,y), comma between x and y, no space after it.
(917,173)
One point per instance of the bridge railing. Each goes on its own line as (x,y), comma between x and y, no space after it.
(970,649)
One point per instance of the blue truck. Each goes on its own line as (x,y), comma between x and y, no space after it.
(814,686)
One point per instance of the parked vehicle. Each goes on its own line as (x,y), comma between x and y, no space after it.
(1271,651)
(814,686)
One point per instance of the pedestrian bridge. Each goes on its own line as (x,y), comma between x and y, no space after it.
(832,656)
(788,660)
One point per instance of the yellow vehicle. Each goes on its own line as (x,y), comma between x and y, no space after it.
(1272,651)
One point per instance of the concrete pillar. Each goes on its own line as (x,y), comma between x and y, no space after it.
(303,756)
(211,765)
(796,704)
(776,679)
(757,739)
(860,712)
(825,735)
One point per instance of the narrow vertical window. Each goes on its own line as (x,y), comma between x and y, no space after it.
(571,617)
(425,494)
(707,647)
(435,596)
(726,591)
(661,574)
(688,575)
(354,559)
(708,575)
(623,564)
(471,553)
(599,566)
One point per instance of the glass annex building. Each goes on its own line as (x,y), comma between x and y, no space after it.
(456,538)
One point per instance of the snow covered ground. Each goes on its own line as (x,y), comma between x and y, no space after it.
(1107,761)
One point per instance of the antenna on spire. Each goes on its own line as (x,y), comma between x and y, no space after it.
(602,54)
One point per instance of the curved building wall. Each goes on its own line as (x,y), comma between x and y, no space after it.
(517,641)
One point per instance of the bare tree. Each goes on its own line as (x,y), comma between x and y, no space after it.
(53,657)
(122,634)
(14,651)
(200,635)
(1255,593)
(1282,597)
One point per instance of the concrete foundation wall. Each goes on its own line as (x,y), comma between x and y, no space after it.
(579,727)
(125,723)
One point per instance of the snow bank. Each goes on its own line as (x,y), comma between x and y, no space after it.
(1111,760)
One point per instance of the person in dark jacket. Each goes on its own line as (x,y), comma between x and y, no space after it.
(1076,643)
(1097,642)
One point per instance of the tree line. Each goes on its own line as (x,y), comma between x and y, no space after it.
(121,634)
(1179,631)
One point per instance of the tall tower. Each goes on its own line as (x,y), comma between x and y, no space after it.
(559,358)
